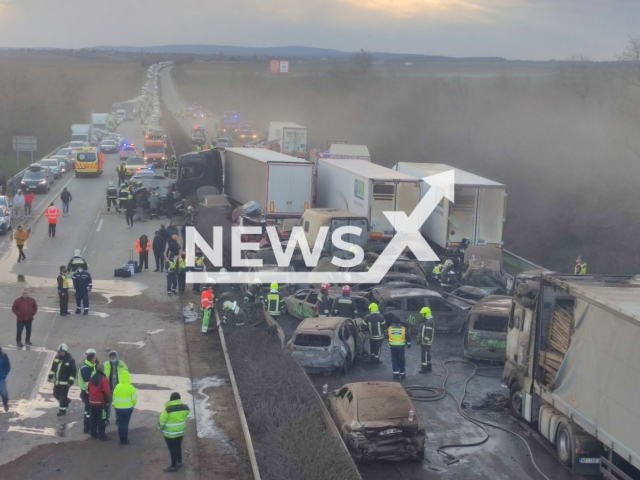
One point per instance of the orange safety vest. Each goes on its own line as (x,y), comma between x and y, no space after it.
(139,248)
(52,214)
(206,300)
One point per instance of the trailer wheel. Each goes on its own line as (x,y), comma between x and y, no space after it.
(515,401)
(565,443)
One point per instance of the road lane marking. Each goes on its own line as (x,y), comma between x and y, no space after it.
(100,225)
(56,310)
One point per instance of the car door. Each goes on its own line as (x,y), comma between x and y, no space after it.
(445,315)
(412,306)
(348,332)
(296,303)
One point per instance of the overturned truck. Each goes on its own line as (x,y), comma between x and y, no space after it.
(573,368)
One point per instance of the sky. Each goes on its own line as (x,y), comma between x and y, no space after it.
(514,29)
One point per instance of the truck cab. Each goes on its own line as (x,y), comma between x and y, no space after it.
(199,169)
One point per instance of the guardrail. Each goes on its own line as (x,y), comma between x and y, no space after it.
(20,174)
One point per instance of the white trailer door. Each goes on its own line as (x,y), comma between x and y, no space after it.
(382,200)
(491,208)
(289,189)
(462,215)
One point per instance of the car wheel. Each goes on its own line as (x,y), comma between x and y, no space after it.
(565,441)
(515,401)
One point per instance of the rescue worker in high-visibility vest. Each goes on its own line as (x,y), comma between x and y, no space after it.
(253,293)
(425,339)
(198,267)
(123,195)
(344,306)
(113,369)
(112,197)
(77,262)
(52,213)
(87,370)
(125,398)
(172,276)
(581,267)
(207,303)
(62,374)
(324,303)
(174,167)
(173,425)
(274,301)
(437,271)
(63,290)
(398,337)
(121,171)
(182,272)
(198,148)
(375,325)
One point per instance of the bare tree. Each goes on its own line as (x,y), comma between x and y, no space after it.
(363,60)
(631,62)
(578,74)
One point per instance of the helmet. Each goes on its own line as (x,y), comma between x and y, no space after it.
(77,252)
(274,286)
(210,280)
(189,209)
(373,307)
(63,347)
(174,236)
(256,281)
(426,312)
(448,263)
(90,351)
(346,289)
(227,305)
(325,286)
(223,270)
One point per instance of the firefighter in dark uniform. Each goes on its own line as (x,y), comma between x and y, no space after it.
(62,374)
(375,324)
(427,334)
(77,262)
(344,306)
(274,301)
(253,293)
(398,336)
(324,303)
(112,197)
(123,195)
(63,291)
(83,284)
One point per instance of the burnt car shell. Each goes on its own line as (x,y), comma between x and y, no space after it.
(373,418)
(303,303)
(322,345)
(486,333)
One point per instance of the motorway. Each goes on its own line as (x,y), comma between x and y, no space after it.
(134,317)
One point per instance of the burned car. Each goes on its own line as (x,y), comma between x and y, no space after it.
(450,315)
(327,344)
(378,421)
(486,335)
(473,294)
(483,268)
(302,304)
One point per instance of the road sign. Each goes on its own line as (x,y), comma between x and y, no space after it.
(279,66)
(25,144)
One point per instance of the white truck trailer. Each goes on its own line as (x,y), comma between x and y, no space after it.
(81,133)
(573,369)
(281,184)
(100,121)
(366,189)
(478,213)
(291,138)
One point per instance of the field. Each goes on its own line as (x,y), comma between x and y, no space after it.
(562,137)
(43,94)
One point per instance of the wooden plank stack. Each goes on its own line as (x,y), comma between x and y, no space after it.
(559,340)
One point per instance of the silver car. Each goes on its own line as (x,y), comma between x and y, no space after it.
(53,165)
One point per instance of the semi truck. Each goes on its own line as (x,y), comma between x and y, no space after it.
(366,189)
(478,213)
(573,369)
(100,122)
(288,138)
(281,184)
(200,169)
(81,133)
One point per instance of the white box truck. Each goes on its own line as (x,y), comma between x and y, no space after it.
(478,213)
(281,184)
(289,138)
(100,121)
(366,189)
(81,133)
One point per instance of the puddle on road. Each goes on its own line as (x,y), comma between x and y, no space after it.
(206,425)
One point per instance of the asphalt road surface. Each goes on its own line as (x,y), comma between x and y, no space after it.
(134,317)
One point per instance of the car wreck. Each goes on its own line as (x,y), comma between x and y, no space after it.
(303,303)
(327,344)
(486,335)
(378,421)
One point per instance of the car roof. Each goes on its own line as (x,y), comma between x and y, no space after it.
(381,401)
(385,293)
(496,304)
(320,323)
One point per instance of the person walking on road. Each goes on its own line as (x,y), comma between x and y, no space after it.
(62,374)
(21,236)
(66,198)
(125,398)
(99,399)
(159,246)
(173,425)
(375,323)
(77,262)
(25,309)
(427,334)
(113,370)
(83,284)
(28,200)
(112,197)
(87,370)
(63,291)
(121,171)
(398,339)
(52,213)
(143,245)
(5,368)
(129,211)
(18,205)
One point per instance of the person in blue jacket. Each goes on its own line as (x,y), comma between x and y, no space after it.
(5,368)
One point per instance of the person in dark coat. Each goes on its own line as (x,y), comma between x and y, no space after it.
(169,201)
(129,210)
(159,246)
(5,368)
